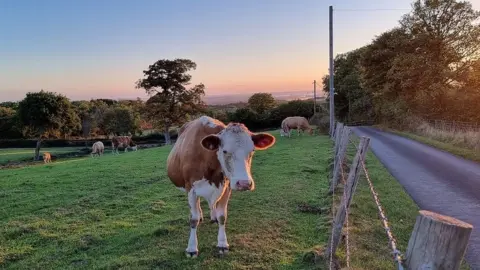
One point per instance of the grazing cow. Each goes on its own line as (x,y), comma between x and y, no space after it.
(121,141)
(97,148)
(47,158)
(295,122)
(209,160)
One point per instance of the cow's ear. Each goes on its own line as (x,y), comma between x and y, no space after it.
(211,142)
(263,141)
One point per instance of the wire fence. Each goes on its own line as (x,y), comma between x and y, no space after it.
(454,126)
(352,150)
(430,242)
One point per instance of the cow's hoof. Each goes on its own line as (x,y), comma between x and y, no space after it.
(213,221)
(192,255)
(222,250)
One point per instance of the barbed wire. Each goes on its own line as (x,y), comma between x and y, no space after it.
(333,224)
(391,239)
(371,9)
(397,255)
(347,243)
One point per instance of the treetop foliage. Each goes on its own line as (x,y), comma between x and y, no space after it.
(423,68)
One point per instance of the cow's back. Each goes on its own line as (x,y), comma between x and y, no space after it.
(296,122)
(188,161)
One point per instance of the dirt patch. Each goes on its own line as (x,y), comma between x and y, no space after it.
(306,208)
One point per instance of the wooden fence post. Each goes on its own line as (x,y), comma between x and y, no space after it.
(339,157)
(349,189)
(332,135)
(338,135)
(437,242)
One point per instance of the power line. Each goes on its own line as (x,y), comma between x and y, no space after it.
(374,9)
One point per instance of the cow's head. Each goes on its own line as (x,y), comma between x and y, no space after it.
(235,146)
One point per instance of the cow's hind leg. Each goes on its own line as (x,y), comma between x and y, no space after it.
(193,202)
(221,212)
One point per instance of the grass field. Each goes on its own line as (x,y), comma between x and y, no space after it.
(19,154)
(121,212)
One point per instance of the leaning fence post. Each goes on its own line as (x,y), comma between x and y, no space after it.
(437,242)
(339,157)
(349,189)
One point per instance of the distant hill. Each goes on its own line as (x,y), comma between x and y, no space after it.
(243,98)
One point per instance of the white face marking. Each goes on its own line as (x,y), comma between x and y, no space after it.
(207,121)
(235,155)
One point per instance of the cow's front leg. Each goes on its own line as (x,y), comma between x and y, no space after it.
(194,203)
(200,209)
(213,213)
(221,212)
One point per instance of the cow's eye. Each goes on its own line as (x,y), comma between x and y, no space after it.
(224,151)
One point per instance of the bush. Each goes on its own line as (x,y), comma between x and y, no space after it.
(272,118)
(248,117)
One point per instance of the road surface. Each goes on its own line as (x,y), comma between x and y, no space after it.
(437,181)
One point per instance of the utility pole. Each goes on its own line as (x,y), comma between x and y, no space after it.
(314,97)
(332,109)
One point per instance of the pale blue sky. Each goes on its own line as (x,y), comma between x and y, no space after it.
(90,48)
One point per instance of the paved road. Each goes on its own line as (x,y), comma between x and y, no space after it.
(437,181)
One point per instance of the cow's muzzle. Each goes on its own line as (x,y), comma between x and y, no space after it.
(244,185)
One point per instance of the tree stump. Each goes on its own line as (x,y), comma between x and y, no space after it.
(437,242)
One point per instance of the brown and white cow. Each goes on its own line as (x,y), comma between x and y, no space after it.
(97,148)
(47,157)
(121,141)
(295,122)
(209,160)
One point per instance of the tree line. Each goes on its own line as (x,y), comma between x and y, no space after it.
(46,115)
(428,67)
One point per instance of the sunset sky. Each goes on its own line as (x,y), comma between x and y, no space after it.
(98,49)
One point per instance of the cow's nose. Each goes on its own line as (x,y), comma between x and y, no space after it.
(244,185)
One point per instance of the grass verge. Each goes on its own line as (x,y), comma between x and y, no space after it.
(469,154)
(369,246)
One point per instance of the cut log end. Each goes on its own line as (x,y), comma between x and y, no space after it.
(437,241)
(445,219)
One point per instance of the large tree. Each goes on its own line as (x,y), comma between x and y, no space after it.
(352,102)
(261,102)
(84,111)
(421,67)
(120,120)
(171,102)
(8,123)
(378,74)
(43,112)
